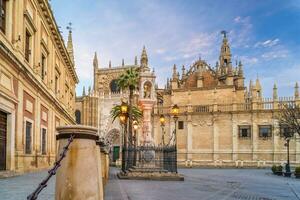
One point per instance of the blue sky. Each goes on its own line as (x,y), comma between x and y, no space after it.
(264,35)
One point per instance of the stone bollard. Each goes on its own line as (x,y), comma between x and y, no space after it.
(79,177)
(105,163)
(104,156)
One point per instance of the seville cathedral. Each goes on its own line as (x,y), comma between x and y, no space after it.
(221,121)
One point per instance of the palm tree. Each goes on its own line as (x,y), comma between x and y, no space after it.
(129,80)
(116,111)
(137,115)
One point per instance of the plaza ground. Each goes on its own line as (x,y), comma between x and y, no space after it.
(204,184)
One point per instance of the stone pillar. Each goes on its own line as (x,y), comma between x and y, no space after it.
(78,176)
(147,125)
(189,141)
(215,138)
(235,148)
(254,136)
(297,149)
(104,157)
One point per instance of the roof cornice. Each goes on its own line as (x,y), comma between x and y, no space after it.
(50,20)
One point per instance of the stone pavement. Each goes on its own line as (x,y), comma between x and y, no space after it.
(19,187)
(199,184)
(208,184)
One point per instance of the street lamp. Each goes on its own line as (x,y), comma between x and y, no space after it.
(124,108)
(135,128)
(288,134)
(135,125)
(162,120)
(175,112)
(123,119)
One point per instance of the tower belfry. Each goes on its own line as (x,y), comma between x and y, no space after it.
(225,54)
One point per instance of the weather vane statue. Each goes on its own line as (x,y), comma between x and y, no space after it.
(69,27)
(224,33)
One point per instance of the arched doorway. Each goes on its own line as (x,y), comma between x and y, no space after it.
(113,138)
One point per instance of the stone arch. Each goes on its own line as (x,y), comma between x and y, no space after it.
(114,140)
(112,135)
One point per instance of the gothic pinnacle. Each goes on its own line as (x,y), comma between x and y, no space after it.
(135,60)
(144,58)
(296,91)
(95,61)
(240,72)
(70,44)
(83,91)
(174,72)
(275,93)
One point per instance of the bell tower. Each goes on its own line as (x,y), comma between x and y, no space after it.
(225,55)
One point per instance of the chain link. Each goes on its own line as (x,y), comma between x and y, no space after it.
(51,172)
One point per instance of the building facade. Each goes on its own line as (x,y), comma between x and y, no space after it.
(37,84)
(221,122)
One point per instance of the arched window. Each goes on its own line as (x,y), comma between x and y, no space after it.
(78,116)
(114,86)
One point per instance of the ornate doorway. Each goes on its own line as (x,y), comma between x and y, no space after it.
(3,136)
(113,138)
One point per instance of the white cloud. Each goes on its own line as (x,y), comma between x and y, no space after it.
(242,32)
(267,43)
(275,54)
(160,51)
(170,58)
(249,60)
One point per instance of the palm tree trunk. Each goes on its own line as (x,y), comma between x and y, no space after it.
(130,156)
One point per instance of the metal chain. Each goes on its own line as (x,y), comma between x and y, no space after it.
(51,172)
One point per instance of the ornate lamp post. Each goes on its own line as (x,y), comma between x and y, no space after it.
(123,119)
(162,120)
(135,128)
(288,134)
(175,112)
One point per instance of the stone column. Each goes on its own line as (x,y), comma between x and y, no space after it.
(189,141)
(255,138)
(147,126)
(215,138)
(235,149)
(79,176)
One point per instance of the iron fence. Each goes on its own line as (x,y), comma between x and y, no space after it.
(151,157)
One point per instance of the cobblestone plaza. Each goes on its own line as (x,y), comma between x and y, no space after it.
(204,184)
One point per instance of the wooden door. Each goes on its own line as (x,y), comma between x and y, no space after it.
(116,153)
(3,135)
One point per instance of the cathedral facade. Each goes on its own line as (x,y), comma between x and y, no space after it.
(221,121)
